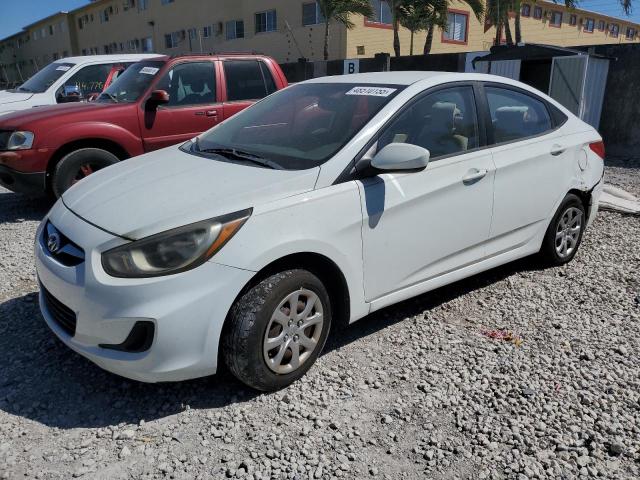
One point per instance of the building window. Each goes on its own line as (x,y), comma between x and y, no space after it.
(589,25)
(36,35)
(207,31)
(50,30)
(266,21)
(171,39)
(166,2)
(631,33)
(556,19)
(573,20)
(526,10)
(381,12)
(601,25)
(193,33)
(104,16)
(537,13)
(235,29)
(43,32)
(312,14)
(147,45)
(614,29)
(143,5)
(457,26)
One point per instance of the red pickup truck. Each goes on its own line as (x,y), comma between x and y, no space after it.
(153,104)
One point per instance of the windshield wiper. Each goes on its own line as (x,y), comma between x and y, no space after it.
(236,154)
(110,96)
(22,89)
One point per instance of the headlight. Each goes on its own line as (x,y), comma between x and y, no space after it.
(20,141)
(173,251)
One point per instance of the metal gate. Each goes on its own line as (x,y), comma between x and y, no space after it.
(568,78)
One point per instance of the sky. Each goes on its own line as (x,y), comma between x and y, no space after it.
(18,13)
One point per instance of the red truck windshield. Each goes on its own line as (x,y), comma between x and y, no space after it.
(132,83)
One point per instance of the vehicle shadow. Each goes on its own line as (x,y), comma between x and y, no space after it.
(44,381)
(15,207)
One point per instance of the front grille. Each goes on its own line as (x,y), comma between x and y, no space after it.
(65,251)
(61,314)
(4,138)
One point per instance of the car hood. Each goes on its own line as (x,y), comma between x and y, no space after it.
(81,111)
(7,96)
(170,188)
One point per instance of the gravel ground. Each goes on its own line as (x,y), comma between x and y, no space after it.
(431,388)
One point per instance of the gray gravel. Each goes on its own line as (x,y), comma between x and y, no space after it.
(418,390)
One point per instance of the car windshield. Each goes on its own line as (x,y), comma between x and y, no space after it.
(297,128)
(132,83)
(46,77)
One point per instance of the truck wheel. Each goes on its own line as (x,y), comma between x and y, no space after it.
(77,165)
(277,329)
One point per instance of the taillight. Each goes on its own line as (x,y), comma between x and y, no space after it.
(597,148)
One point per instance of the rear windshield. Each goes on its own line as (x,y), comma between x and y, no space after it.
(301,126)
(46,77)
(131,84)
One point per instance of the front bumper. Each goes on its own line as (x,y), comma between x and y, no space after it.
(21,182)
(187,309)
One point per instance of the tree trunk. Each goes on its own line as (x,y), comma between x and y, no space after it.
(396,36)
(326,39)
(411,45)
(429,40)
(518,28)
(498,33)
(507,30)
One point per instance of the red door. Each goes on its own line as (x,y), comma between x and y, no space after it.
(192,108)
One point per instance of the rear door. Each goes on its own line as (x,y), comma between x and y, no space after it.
(530,156)
(193,105)
(246,81)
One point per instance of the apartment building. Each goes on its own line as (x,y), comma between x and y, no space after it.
(285,29)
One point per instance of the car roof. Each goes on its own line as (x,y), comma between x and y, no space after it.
(391,78)
(125,57)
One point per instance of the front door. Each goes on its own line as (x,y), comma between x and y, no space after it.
(420,225)
(193,106)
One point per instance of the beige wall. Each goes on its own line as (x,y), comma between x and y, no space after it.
(196,14)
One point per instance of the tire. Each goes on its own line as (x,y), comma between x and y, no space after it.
(263,313)
(77,165)
(564,234)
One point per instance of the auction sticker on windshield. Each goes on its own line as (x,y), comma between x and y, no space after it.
(371,91)
(149,70)
(63,68)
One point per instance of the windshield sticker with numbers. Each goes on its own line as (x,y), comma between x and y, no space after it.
(63,68)
(371,91)
(149,70)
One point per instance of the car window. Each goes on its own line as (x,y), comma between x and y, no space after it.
(444,122)
(515,115)
(190,84)
(132,83)
(87,80)
(247,80)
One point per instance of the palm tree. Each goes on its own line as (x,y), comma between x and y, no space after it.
(396,13)
(517,7)
(498,14)
(340,11)
(414,18)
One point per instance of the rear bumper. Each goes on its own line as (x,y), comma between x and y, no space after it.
(22,182)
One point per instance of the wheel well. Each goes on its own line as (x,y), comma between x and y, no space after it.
(585,197)
(322,267)
(108,145)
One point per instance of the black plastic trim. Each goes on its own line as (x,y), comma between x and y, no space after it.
(139,340)
(21,182)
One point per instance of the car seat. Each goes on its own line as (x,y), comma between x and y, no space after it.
(510,123)
(439,135)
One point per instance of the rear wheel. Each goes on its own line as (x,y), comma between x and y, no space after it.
(564,235)
(77,165)
(277,329)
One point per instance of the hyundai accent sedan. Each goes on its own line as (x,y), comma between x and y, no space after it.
(320,204)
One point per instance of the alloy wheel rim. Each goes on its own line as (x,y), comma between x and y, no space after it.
(293,332)
(568,232)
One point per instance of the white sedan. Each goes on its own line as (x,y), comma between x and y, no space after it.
(320,204)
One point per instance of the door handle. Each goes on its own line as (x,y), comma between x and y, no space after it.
(557,150)
(474,175)
(212,113)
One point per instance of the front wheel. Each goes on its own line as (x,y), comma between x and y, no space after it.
(277,329)
(564,235)
(77,165)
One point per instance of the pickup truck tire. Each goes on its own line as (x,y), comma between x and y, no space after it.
(78,164)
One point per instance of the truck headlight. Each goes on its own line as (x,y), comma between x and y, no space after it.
(20,141)
(175,250)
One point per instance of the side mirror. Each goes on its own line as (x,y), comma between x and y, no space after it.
(70,94)
(158,97)
(401,156)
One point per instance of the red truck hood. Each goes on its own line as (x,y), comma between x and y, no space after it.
(62,113)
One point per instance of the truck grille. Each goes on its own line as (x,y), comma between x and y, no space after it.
(62,249)
(61,314)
